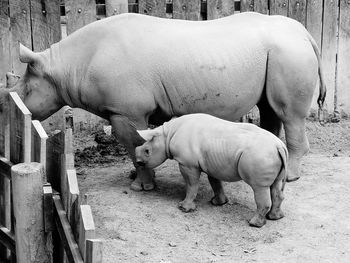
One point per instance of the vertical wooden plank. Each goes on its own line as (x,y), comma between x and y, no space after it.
(46,27)
(314,26)
(48,208)
(5,47)
(93,251)
(188,10)
(79,13)
(20,32)
(297,10)
(5,128)
(39,138)
(329,49)
(152,7)
(87,228)
(314,20)
(67,163)
(343,68)
(20,130)
(220,8)
(28,212)
(247,5)
(116,7)
(261,7)
(279,7)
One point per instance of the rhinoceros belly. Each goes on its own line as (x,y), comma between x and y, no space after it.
(220,160)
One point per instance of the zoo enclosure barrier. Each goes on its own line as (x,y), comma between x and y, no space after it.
(42,216)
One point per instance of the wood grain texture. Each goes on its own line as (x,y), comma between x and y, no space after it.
(220,8)
(297,10)
(39,138)
(261,7)
(54,149)
(116,7)
(314,20)
(65,232)
(329,49)
(87,227)
(94,251)
(187,10)
(79,13)
(279,7)
(48,208)
(5,40)
(28,213)
(20,130)
(152,7)
(45,23)
(20,32)
(247,5)
(5,128)
(343,69)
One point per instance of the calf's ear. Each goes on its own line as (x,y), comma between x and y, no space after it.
(148,135)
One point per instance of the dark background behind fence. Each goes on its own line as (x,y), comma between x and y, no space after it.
(39,23)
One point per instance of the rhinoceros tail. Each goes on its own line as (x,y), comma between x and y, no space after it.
(323,89)
(283,153)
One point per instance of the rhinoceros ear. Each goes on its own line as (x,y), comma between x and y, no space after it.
(26,55)
(148,135)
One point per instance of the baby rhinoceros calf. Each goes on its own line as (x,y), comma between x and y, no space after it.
(225,151)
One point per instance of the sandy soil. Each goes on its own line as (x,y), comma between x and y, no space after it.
(148,226)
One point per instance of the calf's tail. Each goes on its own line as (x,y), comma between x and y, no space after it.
(322,87)
(283,153)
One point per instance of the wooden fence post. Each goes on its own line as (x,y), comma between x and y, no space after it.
(93,251)
(28,212)
(116,7)
(87,228)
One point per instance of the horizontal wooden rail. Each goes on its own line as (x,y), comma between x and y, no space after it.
(7,238)
(65,231)
(5,167)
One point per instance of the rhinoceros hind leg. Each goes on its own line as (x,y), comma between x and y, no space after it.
(277,198)
(263,202)
(219,194)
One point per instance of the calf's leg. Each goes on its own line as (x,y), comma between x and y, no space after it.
(263,202)
(191,176)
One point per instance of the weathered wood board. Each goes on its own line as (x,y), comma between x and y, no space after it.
(45,23)
(343,69)
(220,8)
(297,10)
(5,40)
(247,5)
(20,130)
(187,10)
(79,13)
(152,7)
(279,7)
(116,7)
(329,49)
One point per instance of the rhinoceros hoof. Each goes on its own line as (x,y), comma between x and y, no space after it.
(275,215)
(218,201)
(148,187)
(257,221)
(136,186)
(187,207)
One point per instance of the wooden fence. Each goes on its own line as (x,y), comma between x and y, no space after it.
(36,24)
(39,193)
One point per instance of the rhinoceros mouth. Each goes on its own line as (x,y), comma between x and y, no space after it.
(141,163)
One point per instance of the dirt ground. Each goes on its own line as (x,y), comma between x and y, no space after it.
(148,226)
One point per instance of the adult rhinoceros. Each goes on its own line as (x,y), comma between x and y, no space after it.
(134,69)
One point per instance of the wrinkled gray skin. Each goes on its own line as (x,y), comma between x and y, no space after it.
(134,70)
(225,151)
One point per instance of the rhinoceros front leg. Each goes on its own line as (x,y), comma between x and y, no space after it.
(126,133)
(191,176)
